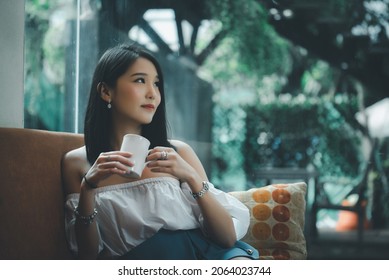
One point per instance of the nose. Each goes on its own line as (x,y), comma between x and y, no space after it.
(152,92)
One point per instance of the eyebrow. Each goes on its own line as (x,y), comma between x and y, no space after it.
(142,74)
(138,74)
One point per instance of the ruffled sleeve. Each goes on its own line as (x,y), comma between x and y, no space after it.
(238,211)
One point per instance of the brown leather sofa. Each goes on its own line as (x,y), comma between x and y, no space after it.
(31,196)
(32,201)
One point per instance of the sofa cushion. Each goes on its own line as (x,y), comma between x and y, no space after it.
(277,214)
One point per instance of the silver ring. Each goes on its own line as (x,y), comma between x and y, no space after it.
(163,155)
(108,158)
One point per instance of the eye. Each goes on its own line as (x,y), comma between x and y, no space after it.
(157,84)
(140,80)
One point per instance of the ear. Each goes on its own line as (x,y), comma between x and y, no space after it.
(105,92)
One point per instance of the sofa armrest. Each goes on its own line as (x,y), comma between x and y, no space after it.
(31,200)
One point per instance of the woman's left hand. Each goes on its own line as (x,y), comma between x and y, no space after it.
(186,166)
(167,160)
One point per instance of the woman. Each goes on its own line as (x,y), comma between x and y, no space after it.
(172,211)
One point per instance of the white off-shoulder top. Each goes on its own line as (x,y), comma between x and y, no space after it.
(130,213)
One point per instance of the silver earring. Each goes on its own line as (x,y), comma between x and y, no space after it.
(109,106)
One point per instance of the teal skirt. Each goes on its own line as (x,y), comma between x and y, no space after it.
(187,245)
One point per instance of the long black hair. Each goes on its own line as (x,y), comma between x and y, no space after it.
(98,119)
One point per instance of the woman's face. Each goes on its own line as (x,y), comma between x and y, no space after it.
(136,96)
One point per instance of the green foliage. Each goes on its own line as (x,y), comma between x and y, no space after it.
(44,65)
(298,132)
(318,78)
(223,65)
(283,132)
(228,134)
(252,42)
(315,125)
(279,129)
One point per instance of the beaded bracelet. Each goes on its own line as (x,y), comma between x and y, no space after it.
(86,220)
(202,192)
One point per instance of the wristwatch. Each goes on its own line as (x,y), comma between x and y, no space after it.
(203,190)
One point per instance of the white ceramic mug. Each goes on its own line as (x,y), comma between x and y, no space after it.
(139,147)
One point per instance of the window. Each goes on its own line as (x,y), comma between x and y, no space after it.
(60,53)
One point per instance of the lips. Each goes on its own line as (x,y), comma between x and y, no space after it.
(148,106)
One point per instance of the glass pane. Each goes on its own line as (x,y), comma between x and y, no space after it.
(60,53)
(49,44)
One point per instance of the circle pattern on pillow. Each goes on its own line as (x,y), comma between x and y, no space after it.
(261,195)
(261,231)
(281,213)
(280,232)
(261,212)
(277,220)
(281,196)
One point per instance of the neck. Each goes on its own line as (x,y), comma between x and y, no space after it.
(119,131)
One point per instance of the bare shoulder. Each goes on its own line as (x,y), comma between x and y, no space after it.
(182,147)
(75,158)
(74,163)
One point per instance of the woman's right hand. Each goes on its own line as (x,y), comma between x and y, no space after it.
(107,164)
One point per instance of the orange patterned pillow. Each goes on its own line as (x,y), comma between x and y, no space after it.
(277,214)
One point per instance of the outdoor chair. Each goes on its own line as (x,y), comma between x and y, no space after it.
(322,200)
